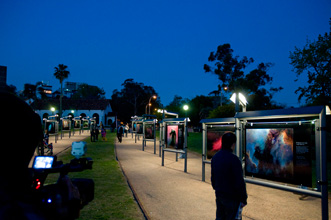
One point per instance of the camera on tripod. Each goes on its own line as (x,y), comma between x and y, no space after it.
(64,199)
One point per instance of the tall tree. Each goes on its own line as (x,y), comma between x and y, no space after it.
(200,106)
(230,71)
(86,91)
(61,73)
(132,99)
(314,59)
(29,91)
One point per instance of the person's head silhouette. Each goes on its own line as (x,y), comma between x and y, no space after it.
(20,132)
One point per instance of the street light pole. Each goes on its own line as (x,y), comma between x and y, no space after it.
(149,104)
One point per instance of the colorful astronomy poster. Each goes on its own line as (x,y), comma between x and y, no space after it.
(280,154)
(139,128)
(51,127)
(65,124)
(76,124)
(149,131)
(214,138)
(85,124)
(175,136)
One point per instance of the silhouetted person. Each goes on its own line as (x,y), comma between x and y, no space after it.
(120,133)
(227,180)
(16,199)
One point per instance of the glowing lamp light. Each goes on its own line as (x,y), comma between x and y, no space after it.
(185,107)
(242,99)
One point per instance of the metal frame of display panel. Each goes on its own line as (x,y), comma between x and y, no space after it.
(69,124)
(56,134)
(134,120)
(80,127)
(149,122)
(205,124)
(175,121)
(316,113)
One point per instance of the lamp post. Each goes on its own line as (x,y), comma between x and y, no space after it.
(149,104)
(224,88)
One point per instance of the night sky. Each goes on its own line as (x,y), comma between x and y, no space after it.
(163,44)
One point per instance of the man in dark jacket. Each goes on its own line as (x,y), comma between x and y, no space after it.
(227,180)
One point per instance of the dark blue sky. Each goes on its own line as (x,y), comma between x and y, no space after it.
(163,44)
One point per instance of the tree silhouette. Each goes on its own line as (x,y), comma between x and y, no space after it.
(315,60)
(61,73)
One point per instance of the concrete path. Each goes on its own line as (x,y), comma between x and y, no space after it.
(167,192)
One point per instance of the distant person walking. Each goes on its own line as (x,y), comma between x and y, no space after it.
(227,180)
(103,134)
(120,133)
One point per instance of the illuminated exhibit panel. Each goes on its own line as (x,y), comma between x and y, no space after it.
(85,124)
(214,138)
(281,152)
(175,136)
(149,131)
(139,128)
(65,124)
(77,123)
(51,127)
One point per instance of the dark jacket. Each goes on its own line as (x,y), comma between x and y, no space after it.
(227,176)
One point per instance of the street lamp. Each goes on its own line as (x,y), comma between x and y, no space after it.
(185,107)
(225,88)
(242,101)
(52,110)
(149,104)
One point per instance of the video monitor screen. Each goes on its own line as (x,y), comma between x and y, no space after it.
(175,136)
(51,127)
(65,125)
(76,123)
(214,138)
(149,131)
(139,128)
(280,153)
(43,162)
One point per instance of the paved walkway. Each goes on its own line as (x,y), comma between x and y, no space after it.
(64,143)
(167,192)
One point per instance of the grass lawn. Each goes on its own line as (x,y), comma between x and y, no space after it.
(113,198)
(194,142)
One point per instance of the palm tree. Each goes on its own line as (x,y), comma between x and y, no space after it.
(61,74)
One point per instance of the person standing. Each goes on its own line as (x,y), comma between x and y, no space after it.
(120,133)
(227,180)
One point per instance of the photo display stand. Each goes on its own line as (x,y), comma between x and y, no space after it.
(139,130)
(65,126)
(134,120)
(52,127)
(149,128)
(212,131)
(175,138)
(280,147)
(77,125)
(85,124)
(164,113)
